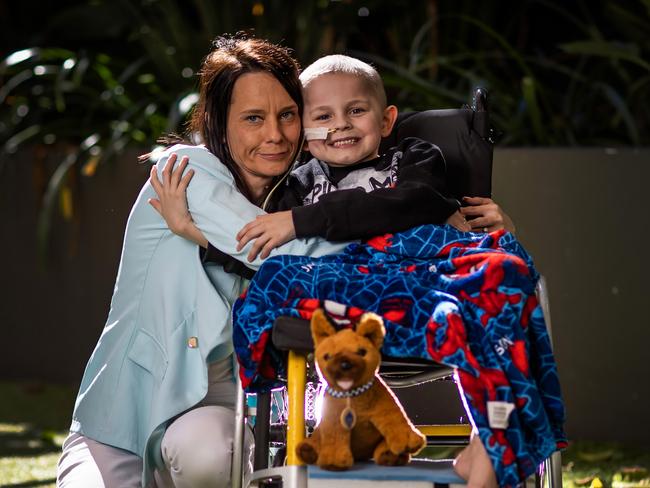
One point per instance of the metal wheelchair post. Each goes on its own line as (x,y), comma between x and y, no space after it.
(262,421)
(542,297)
(237,469)
(550,471)
(554,470)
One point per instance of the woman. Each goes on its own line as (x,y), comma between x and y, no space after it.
(155,406)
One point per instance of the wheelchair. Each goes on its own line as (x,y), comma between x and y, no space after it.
(466,140)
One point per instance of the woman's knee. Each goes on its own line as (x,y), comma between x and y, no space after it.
(86,463)
(76,467)
(197,447)
(204,466)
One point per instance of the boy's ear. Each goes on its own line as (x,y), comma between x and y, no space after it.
(321,328)
(371,326)
(388,120)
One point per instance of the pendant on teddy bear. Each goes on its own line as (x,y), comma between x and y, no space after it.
(348,417)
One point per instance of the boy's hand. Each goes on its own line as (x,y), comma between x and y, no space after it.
(171,203)
(457,220)
(488,215)
(269,232)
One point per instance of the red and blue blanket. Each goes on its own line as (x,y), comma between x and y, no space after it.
(461,299)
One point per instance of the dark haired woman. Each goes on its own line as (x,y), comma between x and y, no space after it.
(155,406)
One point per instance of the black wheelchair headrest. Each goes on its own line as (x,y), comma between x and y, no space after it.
(463,137)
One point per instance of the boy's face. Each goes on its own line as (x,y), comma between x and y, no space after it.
(341,101)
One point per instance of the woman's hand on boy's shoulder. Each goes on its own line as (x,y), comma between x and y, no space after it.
(267,232)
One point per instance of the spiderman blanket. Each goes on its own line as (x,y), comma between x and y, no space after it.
(461,299)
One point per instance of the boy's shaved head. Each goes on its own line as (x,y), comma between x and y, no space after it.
(338,63)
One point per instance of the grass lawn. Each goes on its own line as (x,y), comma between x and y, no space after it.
(34,419)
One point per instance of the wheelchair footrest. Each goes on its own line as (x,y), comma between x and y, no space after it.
(419,473)
(446,435)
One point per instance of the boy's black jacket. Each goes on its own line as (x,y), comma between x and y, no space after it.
(416,196)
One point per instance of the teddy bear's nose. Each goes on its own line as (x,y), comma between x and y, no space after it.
(345,365)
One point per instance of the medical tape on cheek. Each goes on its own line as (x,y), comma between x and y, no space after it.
(318,133)
(315,133)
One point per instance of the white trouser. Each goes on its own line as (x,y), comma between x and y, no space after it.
(196,447)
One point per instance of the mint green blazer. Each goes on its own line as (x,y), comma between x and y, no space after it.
(170,315)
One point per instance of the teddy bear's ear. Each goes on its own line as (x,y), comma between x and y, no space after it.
(371,326)
(320,326)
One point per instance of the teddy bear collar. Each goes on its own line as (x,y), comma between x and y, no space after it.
(350,393)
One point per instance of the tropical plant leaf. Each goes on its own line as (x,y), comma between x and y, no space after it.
(507,46)
(24,135)
(50,198)
(618,102)
(530,97)
(607,49)
(415,80)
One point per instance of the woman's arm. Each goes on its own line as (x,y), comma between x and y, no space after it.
(171,204)
(218,210)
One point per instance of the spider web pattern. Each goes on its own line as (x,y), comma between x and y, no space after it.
(461,299)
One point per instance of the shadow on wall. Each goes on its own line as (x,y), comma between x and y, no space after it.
(579,212)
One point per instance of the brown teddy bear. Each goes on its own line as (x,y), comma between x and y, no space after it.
(362,418)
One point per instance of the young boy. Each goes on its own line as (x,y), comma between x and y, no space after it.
(348,191)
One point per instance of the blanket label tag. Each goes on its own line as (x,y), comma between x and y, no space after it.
(498,413)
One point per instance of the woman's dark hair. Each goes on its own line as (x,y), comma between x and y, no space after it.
(232,57)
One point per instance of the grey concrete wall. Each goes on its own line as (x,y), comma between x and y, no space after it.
(583,215)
